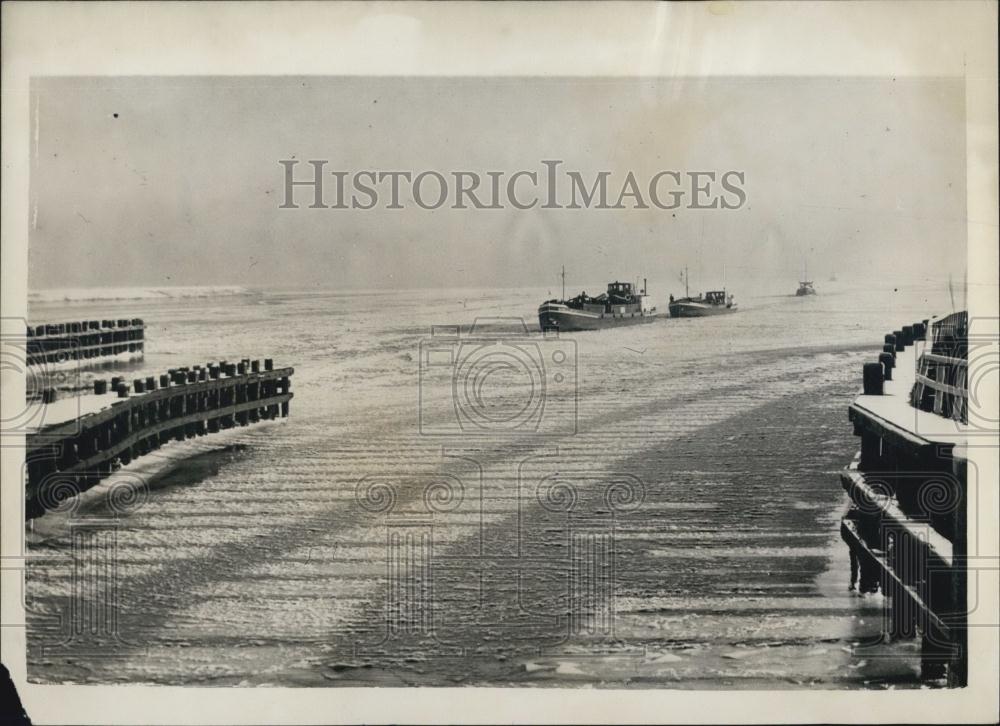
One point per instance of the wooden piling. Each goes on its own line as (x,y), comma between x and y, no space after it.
(872,378)
(888,363)
(58,343)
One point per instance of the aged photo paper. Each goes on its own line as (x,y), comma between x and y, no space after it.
(499,363)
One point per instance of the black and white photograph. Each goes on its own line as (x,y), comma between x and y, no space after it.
(462,362)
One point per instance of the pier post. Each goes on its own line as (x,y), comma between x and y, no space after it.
(873,378)
(888,363)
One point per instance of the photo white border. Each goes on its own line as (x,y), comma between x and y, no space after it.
(873,39)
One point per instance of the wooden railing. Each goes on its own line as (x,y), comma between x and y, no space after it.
(941,385)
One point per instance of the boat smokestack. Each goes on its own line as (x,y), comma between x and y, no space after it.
(644,286)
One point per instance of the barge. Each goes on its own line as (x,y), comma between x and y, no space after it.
(622,304)
(714,302)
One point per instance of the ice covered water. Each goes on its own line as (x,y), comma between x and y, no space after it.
(653,506)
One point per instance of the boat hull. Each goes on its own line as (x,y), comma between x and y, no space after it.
(563,318)
(698,310)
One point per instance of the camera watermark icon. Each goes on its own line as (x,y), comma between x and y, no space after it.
(50,369)
(497,379)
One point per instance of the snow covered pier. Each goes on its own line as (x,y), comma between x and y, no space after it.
(53,344)
(83,439)
(906,525)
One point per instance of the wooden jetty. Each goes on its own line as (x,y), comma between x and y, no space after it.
(95,435)
(906,525)
(55,343)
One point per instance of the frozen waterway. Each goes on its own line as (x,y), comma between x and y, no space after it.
(667,519)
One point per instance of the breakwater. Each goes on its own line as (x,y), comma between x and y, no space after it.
(121,421)
(58,343)
(906,525)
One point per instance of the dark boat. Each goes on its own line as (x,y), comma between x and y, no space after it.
(622,304)
(805,288)
(714,302)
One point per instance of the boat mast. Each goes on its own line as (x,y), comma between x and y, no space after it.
(686,292)
(564,282)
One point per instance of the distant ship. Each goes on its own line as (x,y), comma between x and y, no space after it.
(622,304)
(805,286)
(714,302)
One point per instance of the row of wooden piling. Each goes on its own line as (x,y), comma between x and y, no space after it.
(875,374)
(906,525)
(68,458)
(181,376)
(53,343)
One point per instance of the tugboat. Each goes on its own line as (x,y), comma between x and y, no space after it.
(805,288)
(714,302)
(622,304)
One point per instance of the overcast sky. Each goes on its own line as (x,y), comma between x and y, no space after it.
(176,181)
